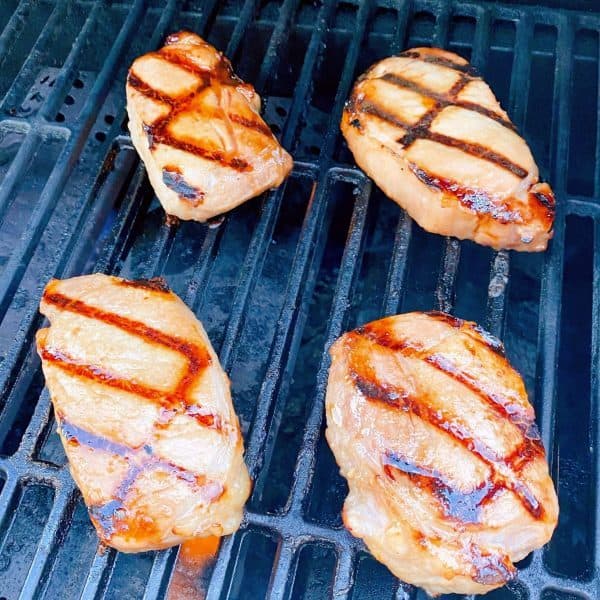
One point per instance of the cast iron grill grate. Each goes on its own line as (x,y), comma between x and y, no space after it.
(284,275)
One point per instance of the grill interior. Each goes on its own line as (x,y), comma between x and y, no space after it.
(283,275)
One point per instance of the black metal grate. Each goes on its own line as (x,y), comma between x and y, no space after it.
(284,275)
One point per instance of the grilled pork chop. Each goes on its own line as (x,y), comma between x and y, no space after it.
(432,428)
(434,138)
(143,411)
(198,130)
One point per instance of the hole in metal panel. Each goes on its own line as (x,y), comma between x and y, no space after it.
(20,539)
(19,50)
(584,114)
(498,67)
(69,100)
(461,35)
(421,29)
(74,556)
(571,550)
(100,136)
(252,566)
(314,573)
(373,581)
(344,16)
(277,480)
(78,83)
(60,117)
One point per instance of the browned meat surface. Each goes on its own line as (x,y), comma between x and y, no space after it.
(198,129)
(431,134)
(432,428)
(144,412)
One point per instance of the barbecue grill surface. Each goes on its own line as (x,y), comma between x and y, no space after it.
(284,275)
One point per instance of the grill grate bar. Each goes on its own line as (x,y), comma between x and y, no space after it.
(57,16)
(57,179)
(16,264)
(291,527)
(583,206)
(279,35)
(518,96)
(61,85)
(397,271)
(444,293)
(60,515)
(344,575)
(595,383)
(282,577)
(13,27)
(100,572)
(349,270)
(270,210)
(158,580)
(550,296)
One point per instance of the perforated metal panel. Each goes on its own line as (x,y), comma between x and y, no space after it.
(282,276)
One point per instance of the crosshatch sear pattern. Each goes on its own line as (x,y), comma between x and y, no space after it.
(282,276)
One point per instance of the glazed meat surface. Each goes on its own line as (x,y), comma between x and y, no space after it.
(434,138)
(198,129)
(144,412)
(432,428)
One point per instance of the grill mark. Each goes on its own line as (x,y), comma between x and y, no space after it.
(156,284)
(114,517)
(169,401)
(422,128)
(195,354)
(394,397)
(198,357)
(250,124)
(403,401)
(466,69)
(444,101)
(175,181)
(480,152)
(370,108)
(465,507)
(157,133)
(502,405)
(475,200)
(141,86)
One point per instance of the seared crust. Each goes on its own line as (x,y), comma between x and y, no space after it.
(432,135)
(197,127)
(143,411)
(432,428)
